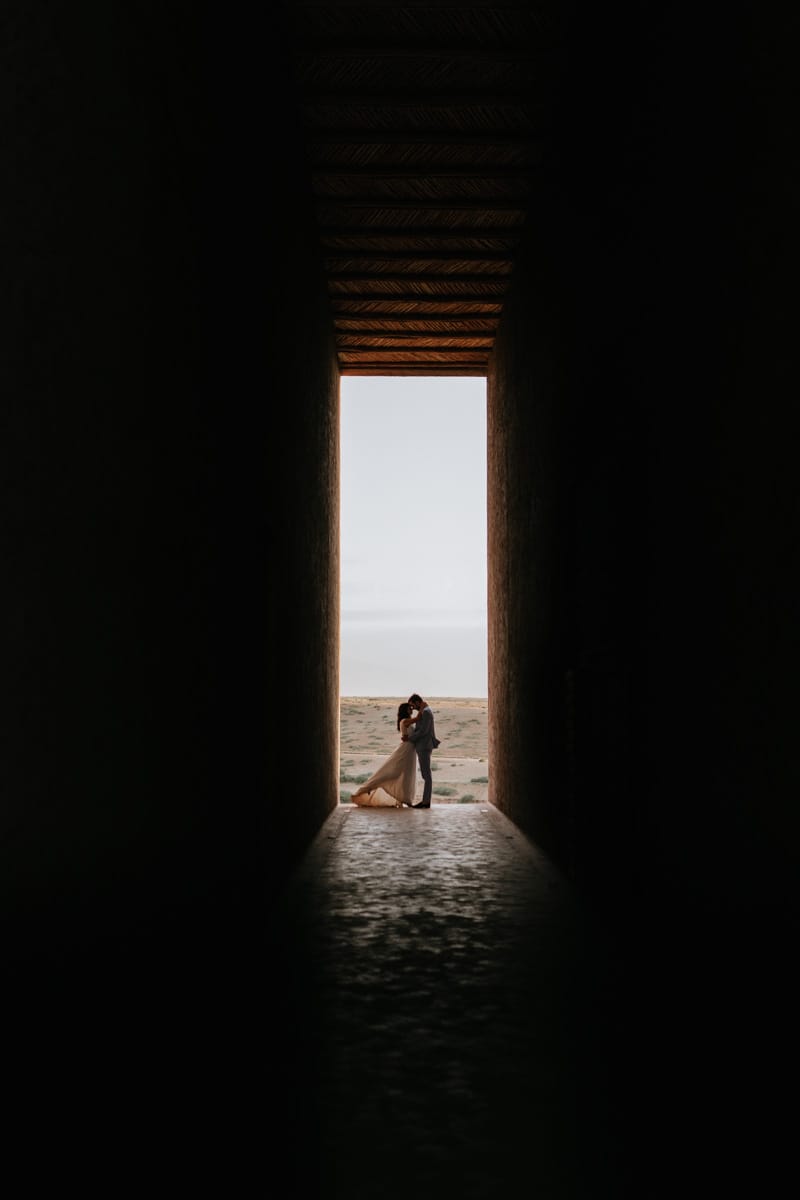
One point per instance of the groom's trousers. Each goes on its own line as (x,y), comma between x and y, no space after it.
(424,757)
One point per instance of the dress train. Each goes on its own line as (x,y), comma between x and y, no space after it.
(393,784)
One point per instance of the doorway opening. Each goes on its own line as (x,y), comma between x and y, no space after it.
(414,572)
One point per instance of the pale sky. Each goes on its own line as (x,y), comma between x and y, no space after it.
(413,520)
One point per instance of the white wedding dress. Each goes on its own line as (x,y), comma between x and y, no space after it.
(395,781)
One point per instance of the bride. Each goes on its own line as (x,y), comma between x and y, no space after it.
(395,781)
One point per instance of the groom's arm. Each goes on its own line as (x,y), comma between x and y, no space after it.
(423,726)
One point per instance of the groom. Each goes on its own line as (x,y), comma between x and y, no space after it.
(425,740)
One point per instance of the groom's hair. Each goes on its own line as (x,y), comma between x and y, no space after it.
(415,700)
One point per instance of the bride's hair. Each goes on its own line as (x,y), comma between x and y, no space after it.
(404,710)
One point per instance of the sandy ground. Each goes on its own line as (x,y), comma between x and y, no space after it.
(368,735)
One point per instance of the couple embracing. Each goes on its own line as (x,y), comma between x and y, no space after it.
(395,781)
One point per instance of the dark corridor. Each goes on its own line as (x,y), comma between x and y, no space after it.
(211,215)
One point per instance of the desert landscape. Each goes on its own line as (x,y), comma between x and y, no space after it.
(460,766)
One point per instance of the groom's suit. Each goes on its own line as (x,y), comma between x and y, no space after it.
(425,740)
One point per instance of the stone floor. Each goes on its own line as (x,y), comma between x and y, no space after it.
(453,1042)
(455,1025)
(427,1013)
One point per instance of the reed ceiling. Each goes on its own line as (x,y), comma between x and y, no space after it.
(423,131)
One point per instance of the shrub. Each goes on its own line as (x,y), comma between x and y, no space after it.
(345,778)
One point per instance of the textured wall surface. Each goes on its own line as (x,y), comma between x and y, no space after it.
(171,575)
(638,480)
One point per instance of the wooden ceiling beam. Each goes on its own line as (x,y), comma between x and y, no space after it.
(394,298)
(329,47)
(475,371)
(447,204)
(422,351)
(417,97)
(440,232)
(421,368)
(396,256)
(418,277)
(419,137)
(466,336)
(395,366)
(423,171)
(356,329)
